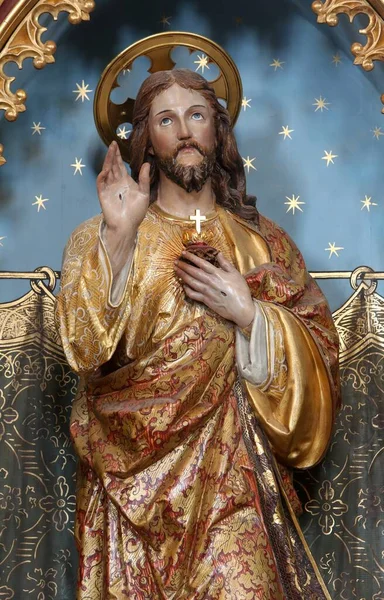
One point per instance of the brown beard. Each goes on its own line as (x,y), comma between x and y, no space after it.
(190,178)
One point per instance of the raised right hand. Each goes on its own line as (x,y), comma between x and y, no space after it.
(123,201)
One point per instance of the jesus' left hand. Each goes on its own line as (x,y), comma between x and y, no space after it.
(223,289)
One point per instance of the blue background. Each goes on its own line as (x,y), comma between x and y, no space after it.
(285,30)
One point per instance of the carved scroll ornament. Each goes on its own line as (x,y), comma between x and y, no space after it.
(21,39)
(328,11)
(2,159)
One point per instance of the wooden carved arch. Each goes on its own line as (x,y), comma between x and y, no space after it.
(20,37)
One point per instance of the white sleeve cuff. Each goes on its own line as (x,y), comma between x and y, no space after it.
(116,285)
(255,356)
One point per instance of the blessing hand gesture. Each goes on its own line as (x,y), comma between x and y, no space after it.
(123,201)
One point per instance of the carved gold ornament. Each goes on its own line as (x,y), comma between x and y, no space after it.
(2,159)
(20,38)
(328,11)
(158,48)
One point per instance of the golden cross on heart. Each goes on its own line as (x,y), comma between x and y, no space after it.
(198,218)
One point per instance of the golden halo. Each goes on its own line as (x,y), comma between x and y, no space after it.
(109,116)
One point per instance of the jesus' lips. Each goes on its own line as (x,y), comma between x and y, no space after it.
(189,149)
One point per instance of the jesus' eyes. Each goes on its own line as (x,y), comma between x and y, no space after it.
(165,121)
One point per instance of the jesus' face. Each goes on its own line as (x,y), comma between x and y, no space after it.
(182,133)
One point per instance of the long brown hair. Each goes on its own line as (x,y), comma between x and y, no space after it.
(228,177)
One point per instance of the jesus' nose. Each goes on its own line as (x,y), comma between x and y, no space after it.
(183,132)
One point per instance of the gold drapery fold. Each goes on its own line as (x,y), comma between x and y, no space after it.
(298,408)
(295,411)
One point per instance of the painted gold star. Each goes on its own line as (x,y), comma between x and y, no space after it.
(277,64)
(245,103)
(82,91)
(286,132)
(37,128)
(123,133)
(2,238)
(165,20)
(248,163)
(333,249)
(336,59)
(329,157)
(239,20)
(367,203)
(293,204)
(202,62)
(40,202)
(78,166)
(321,104)
(377,132)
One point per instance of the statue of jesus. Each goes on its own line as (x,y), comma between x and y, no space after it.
(209,361)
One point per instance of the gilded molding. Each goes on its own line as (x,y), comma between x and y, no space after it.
(328,11)
(2,159)
(24,41)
